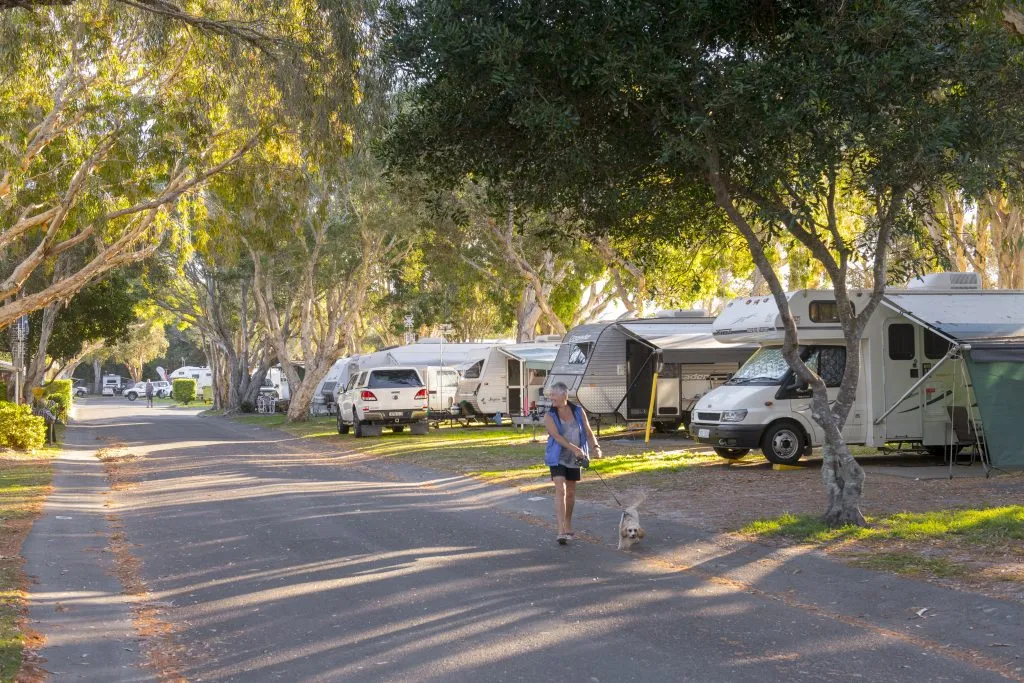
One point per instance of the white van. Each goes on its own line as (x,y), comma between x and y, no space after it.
(912,380)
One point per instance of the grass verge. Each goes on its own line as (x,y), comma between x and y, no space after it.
(24,483)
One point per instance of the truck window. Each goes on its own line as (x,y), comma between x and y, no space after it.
(394,379)
(831,365)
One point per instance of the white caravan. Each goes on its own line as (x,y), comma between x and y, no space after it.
(325,396)
(609,367)
(509,380)
(913,386)
(434,359)
(202,375)
(275,384)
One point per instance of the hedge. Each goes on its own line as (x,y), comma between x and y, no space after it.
(59,393)
(19,428)
(184,390)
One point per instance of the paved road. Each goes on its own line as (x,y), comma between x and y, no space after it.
(277,563)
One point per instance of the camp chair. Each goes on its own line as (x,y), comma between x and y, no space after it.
(966,435)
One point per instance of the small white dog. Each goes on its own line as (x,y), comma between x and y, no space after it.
(630,531)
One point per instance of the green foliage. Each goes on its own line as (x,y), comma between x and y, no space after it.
(19,428)
(58,392)
(3,391)
(183,390)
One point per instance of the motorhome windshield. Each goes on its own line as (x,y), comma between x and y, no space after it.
(766,366)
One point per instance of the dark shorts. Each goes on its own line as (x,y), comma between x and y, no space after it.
(570,473)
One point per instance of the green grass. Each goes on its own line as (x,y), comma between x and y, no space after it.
(988,526)
(491,452)
(912,563)
(24,480)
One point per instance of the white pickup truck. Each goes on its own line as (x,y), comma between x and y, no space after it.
(392,397)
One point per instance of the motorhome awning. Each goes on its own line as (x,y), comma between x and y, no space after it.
(687,343)
(993,318)
(534,357)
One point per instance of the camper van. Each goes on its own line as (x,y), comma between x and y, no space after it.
(434,359)
(202,375)
(914,385)
(609,367)
(508,380)
(111,385)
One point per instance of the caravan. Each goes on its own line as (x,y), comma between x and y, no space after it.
(202,375)
(508,380)
(918,355)
(609,367)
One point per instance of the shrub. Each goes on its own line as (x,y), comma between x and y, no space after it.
(184,390)
(19,428)
(58,393)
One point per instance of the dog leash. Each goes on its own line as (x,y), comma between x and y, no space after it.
(610,489)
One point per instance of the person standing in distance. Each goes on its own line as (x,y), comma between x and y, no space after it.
(149,393)
(570,441)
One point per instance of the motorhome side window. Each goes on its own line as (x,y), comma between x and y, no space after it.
(901,341)
(830,364)
(474,370)
(935,347)
(824,311)
(579,353)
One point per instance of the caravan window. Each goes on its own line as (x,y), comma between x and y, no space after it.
(824,311)
(579,353)
(901,341)
(474,370)
(935,347)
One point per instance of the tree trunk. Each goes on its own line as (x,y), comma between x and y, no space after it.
(528,314)
(302,396)
(36,370)
(97,381)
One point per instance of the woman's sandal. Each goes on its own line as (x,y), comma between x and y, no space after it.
(563,539)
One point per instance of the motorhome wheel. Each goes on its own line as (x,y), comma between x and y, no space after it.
(731,453)
(783,443)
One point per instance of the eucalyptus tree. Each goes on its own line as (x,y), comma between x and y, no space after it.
(766,120)
(114,113)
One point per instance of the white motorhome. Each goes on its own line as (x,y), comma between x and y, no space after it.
(508,380)
(609,367)
(435,360)
(202,375)
(913,385)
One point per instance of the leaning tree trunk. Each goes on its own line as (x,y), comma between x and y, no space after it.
(302,396)
(36,370)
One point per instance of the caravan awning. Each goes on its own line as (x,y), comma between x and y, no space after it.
(992,318)
(533,356)
(687,343)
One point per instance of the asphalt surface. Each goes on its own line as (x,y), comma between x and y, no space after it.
(275,562)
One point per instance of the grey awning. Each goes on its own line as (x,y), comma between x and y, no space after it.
(994,317)
(687,343)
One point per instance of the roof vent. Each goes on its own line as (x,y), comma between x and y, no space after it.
(680,314)
(947,282)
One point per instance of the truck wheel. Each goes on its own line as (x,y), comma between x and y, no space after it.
(420,428)
(731,453)
(784,443)
(342,426)
(398,429)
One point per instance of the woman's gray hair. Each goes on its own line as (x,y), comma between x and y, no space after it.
(560,388)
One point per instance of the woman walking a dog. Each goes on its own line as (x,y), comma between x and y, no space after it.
(570,441)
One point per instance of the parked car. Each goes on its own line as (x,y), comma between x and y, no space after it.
(79,389)
(161,389)
(392,397)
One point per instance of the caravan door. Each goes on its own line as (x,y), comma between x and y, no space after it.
(514,372)
(639,378)
(901,369)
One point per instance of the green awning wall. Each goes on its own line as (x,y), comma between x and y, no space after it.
(998,382)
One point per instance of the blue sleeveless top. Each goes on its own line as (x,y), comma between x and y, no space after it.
(554,449)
